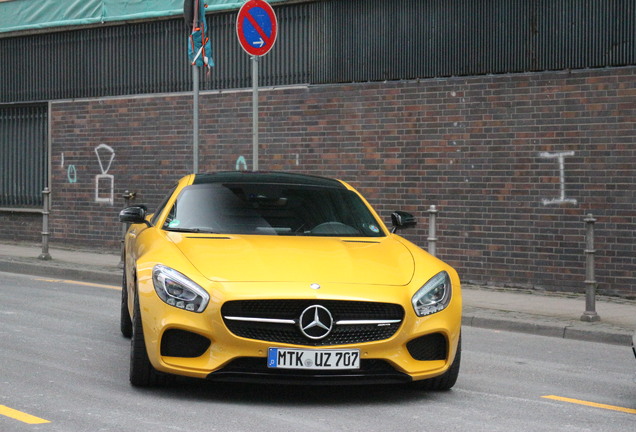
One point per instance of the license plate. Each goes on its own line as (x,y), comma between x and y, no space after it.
(292,358)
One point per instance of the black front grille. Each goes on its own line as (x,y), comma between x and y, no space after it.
(292,309)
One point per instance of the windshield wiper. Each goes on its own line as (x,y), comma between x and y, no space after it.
(190,230)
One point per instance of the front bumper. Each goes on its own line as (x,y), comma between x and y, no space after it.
(201,345)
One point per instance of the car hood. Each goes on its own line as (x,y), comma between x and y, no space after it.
(382,261)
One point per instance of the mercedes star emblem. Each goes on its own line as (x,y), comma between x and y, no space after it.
(316,322)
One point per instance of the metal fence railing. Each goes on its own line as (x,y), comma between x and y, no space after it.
(23,155)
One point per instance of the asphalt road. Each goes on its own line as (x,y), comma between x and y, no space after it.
(64,367)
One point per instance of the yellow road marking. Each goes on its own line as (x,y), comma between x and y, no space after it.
(81,283)
(20,416)
(591,404)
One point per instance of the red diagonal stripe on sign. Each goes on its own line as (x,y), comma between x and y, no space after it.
(257,27)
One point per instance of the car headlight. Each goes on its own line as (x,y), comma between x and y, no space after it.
(178,290)
(434,296)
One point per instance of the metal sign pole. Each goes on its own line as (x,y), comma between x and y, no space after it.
(195,119)
(256,29)
(255,112)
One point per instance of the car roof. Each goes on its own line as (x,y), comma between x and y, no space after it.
(267,177)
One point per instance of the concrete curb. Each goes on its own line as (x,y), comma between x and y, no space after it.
(545,326)
(55,269)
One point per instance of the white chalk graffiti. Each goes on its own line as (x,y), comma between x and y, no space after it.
(560,156)
(104,182)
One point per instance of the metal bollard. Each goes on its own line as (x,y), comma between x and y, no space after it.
(45,255)
(127,196)
(590,314)
(432,230)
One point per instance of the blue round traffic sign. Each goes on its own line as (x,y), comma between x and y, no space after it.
(256,27)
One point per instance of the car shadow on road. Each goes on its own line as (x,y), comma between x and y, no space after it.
(295,395)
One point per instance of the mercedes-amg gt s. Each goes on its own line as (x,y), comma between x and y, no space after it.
(282,277)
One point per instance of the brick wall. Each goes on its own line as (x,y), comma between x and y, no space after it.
(484,150)
(20,227)
(146,139)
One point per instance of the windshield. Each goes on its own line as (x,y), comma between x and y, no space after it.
(271,209)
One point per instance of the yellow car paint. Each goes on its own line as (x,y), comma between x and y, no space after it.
(387,269)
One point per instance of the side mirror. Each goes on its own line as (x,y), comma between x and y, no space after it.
(134,215)
(402,220)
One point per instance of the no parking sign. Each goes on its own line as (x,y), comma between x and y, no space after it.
(256,27)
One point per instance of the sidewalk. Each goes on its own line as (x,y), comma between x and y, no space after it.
(547,314)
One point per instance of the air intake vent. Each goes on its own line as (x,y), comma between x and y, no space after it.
(429,347)
(180,343)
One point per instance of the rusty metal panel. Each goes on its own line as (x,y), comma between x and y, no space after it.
(328,41)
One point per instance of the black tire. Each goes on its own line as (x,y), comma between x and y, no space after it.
(445,381)
(142,374)
(125,323)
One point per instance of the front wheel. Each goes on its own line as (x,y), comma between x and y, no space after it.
(125,323)
(445,381)
(142,373)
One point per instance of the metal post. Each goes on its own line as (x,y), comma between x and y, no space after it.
(255,112)
(195,119)
(46,210)
(590,314)
(127,196)
(432,230)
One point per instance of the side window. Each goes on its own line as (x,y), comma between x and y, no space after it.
(159,210)
(171,216)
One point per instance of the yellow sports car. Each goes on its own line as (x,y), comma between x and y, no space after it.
(283,277)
